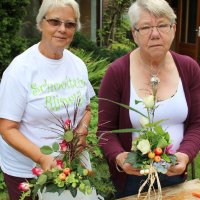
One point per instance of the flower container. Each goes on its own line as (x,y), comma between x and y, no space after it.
(66,195)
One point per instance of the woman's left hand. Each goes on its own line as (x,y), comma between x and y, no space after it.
(180,167)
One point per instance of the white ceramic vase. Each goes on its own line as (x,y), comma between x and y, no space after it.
(66,195)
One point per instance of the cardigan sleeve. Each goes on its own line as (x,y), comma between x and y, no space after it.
(114,86)
(190,74)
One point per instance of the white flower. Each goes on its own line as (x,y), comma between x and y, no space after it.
(144,146)
(144,121)
(149,101)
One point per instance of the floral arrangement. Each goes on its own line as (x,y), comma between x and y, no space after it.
(152,150)
(71,172)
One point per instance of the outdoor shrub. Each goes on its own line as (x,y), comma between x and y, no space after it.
(102,180)
(11,14)
(96,66)
(2,184)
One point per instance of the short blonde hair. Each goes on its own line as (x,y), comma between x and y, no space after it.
(50,4)
(159,8)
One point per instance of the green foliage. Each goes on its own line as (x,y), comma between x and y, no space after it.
(196,168)
(91,138)
(101,180)
(117,50)
(96,66)
(2,183)
(115,24)
(11,14)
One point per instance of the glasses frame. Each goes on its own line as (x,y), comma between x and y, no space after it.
(152,27)
(57,23)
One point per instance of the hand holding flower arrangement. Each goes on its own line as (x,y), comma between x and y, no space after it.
(72,172)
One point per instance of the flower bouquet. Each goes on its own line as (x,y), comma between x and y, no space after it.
(152,150)
(72,178)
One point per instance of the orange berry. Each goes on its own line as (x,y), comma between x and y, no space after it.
(62,176)
(67,171)
(157,158)
(151,155)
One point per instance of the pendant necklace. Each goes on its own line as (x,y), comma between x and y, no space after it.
(154,79)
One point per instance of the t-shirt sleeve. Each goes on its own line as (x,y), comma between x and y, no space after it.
(12,98)
(90,90)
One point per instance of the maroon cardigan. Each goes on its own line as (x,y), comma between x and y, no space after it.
(116,86)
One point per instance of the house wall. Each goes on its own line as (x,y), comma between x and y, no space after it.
(89,15)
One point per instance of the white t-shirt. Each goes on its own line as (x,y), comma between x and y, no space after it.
(174,110)
(32,88)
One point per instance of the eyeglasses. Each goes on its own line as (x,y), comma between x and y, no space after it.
(162,28)
(57,22)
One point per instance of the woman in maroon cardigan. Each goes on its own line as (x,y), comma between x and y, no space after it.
(128,78)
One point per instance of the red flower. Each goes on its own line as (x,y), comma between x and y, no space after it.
(63,145)
(24,187)
(37,171)
(59,163)
(67,124)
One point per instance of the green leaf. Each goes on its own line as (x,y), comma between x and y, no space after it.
(173,159)
(46,150)
(127,130)
(165,157)
(55,146)
(60,190)
(68,136)
(42,179)
(137,102)
(73,192)
(35,190)
(86,182)
(162,143)
(124,106)
(132,159)
(51,188)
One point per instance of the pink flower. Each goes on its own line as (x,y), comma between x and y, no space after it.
(67,124)
(169,149)
(24,187)
(63,145)
(37,171)
(59,163)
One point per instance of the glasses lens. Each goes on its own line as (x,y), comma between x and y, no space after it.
(164,28)
(57,22)
(54,22)
(145,30)
(70,25)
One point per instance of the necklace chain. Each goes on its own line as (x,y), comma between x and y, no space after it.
(154,79)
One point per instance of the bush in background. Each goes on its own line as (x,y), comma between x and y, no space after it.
(11,14)
(116,50)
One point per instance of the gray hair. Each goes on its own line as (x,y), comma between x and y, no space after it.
(50,4)
(159,8)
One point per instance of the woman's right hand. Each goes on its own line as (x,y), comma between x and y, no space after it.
(126,167)
(47,162)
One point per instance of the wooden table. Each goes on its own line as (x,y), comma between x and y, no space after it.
(181,191)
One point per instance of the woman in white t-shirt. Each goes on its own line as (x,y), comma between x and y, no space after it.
(44,78)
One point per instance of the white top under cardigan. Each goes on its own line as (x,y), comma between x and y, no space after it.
(174,109)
